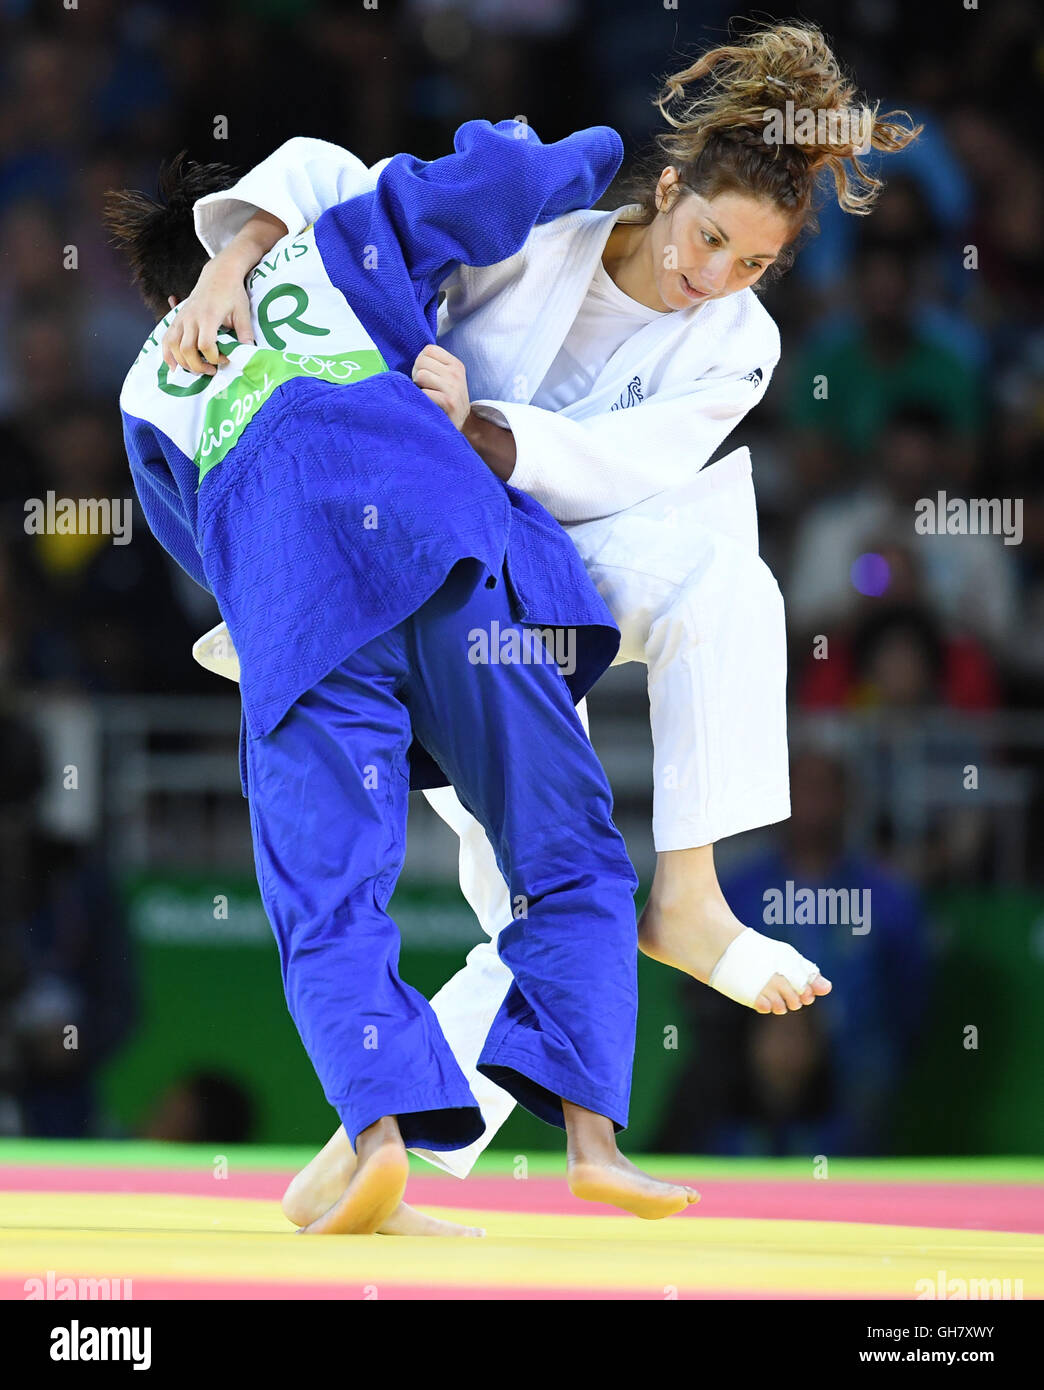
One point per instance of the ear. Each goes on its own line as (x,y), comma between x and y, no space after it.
(173,300)
(668,179)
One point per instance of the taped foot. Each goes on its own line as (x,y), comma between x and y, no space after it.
(767,975)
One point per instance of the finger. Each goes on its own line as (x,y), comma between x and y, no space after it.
(222,359)
(425,377)
(184,342)
(241,325)
(434,394)
(436,357)
(439,354)
(440,399)
(177,352)
(195,363)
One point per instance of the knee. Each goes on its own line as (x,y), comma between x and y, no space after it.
(570,865)
(738,587)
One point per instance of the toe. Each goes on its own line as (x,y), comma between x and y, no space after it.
(777,1005)
(788,993)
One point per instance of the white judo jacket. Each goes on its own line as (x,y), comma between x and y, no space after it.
(661,406)
(665,401)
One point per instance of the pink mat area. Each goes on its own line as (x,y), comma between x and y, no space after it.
(961,1206)
(145,1289)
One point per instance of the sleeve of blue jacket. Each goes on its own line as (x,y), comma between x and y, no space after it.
(479,204)
(159,497)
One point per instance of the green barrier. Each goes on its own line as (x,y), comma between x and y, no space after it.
(212,999)
(981,1091)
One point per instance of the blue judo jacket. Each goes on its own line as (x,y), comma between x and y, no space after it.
(310,485)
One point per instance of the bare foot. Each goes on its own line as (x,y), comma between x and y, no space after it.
(376,1186)
(598,1172)
(407,1221)
(693,934)
(317,1187)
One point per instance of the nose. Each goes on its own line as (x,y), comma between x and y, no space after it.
(715,272)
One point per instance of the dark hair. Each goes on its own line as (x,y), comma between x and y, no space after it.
(157,235)
(718,140)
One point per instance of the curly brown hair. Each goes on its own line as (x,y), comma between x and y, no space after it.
(718,137)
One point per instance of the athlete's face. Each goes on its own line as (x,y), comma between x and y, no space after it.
(708,248)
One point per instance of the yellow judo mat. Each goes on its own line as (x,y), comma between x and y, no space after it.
(151,1229)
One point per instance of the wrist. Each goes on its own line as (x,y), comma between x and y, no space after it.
(254,239)
(494,444)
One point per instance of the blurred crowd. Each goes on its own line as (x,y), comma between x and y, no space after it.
(925,321)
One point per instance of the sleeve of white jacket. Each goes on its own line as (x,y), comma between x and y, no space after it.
(296,183)
(581,470)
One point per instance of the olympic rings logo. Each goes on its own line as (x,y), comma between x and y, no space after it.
(333,368)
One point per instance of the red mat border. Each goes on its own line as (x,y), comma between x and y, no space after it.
(1013,1207)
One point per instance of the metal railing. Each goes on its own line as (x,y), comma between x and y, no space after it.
(156,778)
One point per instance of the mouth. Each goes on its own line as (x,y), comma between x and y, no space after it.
(693,293)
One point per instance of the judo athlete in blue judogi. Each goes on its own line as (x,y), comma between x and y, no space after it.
(357,547)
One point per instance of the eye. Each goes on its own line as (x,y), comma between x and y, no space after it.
(710,240)
(753,265)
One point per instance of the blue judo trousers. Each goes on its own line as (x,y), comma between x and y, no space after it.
(357,642)
(328,793)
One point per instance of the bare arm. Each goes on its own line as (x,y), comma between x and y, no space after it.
(444,380)
(220,299)
(495,446)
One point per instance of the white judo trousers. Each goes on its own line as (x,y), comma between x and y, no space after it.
(682,576)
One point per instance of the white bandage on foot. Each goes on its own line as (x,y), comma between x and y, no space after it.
(215,651)
(750,961)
